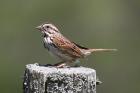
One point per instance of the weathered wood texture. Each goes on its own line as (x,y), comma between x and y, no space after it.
(39,79)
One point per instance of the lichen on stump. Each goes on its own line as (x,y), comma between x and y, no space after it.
(41,79)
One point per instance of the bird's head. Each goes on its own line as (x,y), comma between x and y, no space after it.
(48,29)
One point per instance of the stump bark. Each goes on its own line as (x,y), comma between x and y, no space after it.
(41,79)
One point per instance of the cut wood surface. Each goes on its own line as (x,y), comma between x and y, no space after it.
(41,79)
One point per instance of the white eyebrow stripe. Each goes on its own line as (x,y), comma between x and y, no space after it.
(51,26)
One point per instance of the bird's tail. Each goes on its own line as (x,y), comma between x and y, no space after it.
(102,50)
(89,51)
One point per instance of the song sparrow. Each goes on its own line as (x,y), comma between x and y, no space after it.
(63,48)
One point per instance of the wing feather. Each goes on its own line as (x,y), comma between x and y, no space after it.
(67,46)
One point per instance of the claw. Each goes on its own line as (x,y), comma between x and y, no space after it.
(61,65)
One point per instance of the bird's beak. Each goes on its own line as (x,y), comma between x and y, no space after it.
(38,27)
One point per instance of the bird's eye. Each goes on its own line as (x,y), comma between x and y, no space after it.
(47,26)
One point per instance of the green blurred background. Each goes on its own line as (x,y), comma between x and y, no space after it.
(91,23)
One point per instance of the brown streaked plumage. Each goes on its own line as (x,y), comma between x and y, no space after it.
(62,47)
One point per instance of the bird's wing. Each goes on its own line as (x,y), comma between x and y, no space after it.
(80,46)
(67,47)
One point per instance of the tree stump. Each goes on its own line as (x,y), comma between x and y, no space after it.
(41,79)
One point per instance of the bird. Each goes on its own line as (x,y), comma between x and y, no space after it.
(64,49)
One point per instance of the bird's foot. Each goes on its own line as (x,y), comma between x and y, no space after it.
(60,65)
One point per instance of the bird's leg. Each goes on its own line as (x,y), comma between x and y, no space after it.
(61,64)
